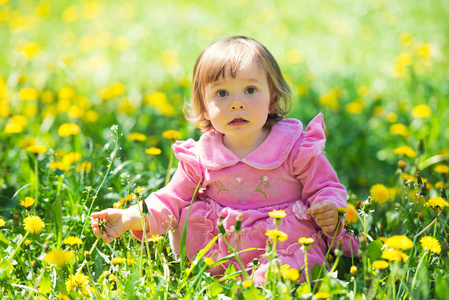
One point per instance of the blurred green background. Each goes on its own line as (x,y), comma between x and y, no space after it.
(367,65)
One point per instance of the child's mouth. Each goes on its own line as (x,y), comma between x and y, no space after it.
(238,121)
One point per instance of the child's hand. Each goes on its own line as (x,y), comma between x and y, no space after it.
(115,224)
(326,214)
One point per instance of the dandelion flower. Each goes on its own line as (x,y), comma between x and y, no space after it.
(341,211)
(78,282)
(290,274)
(322,295)
(28,202)
(380,193)
(137,137)
(33,224)
(71,158)
(399,242)
(84,167)
(72,240)
(442,169)
(118,260)
(59,257)
(405,150)
(2,222)
(422,111)
(431,244)
(351,215)
(353,270)
(153,151)
(436,202)
(276,234)
(208,261)
(68,129)
(398,129)
(58,165)
(171,135)
(380,264)
(277,214)
(36,149)
(306,241)
(247,284)
(394,255)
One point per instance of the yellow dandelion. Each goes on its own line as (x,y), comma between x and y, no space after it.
(130,261)
(351,215)
(72,240)
(117,205)
(155,238)
(353,270)
(68,129)
(153,151)
(407,177)
(306,241)
(27,94)
(290,274)
(118,260)
(394,255)
(436,202)
(322,295)
(155,99)
(84,167)
(431,244)
(330,99)
(277,214)
(36,149)
(2,222)
(442,169)
(422,111)
(208,261)
(425,50)
(276,235)
(398,129)
(341,211)
(33,224)
(380,264)
(380,193)
(28,202)
(171,135)
(405,150)
(78,282)
(58,165)
(354,107)
(247,284)
(399,242)
(59,257)
(13,128)
(136,137)
(71,158)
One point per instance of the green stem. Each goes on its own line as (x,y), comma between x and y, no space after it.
(90,254)
(307,270)
(237,257)
(417,269)
(36,182)
(328,251)
(18,247)
(145,238)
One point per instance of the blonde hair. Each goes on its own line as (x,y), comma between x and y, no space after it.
(232,54)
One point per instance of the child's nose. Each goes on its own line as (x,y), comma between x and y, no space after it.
(235,106)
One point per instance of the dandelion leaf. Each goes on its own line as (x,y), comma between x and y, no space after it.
(374,250)
(215,288)
(45,285)
(315,271)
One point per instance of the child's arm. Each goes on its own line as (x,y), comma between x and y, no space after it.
(117,221)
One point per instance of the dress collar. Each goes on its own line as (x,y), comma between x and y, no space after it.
(269,155)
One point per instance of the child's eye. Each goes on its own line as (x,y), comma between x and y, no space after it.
(222,93)
(250,90)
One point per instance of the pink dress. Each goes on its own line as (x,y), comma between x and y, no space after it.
(288,171)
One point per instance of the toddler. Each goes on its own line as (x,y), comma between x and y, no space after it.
(249,160)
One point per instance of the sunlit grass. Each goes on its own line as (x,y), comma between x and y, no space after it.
(69,71)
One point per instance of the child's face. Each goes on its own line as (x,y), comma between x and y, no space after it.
(238,107)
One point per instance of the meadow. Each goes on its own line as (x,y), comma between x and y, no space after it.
(91,98)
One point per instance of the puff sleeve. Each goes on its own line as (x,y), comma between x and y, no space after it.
(166,204)
(311,167)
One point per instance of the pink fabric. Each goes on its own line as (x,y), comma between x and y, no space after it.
(288,171)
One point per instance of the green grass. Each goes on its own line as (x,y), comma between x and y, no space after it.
(365,64)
